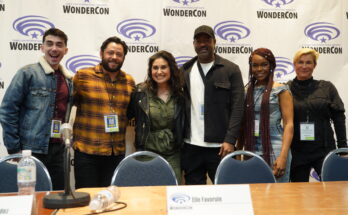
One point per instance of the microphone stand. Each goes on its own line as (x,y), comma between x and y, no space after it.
(68,199)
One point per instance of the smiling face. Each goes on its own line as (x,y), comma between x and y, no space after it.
(304,67)
(204,46)
(54,49)
(112,57)
(160,71)
(260,69)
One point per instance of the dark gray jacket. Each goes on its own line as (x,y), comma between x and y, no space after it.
(223,101)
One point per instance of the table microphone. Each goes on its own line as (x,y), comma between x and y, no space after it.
(66,199)
(66,132)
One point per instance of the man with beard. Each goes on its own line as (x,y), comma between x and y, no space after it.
(214,108)
(101,95)
(35,105)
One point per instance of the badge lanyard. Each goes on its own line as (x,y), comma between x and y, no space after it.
(110,120)
(204,80)
(257,122)
(307,130)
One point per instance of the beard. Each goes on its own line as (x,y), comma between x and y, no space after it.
(105,65)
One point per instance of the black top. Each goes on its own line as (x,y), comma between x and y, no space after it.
(317,102)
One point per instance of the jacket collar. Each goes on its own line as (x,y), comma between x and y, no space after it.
(48,69)
(189,64)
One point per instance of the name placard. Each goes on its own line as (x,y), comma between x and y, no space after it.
(15,205)
(217,199)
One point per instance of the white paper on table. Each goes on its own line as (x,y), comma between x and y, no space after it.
(216,199)
(16,205)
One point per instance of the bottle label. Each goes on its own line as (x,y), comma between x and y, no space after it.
(26,174)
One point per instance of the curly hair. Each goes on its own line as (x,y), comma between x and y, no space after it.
(248,138)
(176,76)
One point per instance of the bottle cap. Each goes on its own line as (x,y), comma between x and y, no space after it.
(95,205)
(26,153)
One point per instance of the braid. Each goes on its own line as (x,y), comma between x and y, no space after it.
(248,125)
(264,118)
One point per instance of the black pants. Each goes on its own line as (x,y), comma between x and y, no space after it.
(198,161)
(54,162)
(94,170)
(300,173)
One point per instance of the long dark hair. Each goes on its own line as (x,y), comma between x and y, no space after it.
(176,76)
(248,138)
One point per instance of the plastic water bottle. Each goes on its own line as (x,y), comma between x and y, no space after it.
(26,174)
(103,199)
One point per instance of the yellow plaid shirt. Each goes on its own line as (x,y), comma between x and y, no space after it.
(95,96)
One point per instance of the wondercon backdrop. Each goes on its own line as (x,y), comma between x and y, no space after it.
(148,26)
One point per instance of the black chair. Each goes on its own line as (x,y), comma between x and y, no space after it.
(253,170)
(143,168)
(335,166)
(8,172)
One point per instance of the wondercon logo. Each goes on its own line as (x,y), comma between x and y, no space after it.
(81,61)
(32,26)
(180,198)
(181,60)
(231,30)
(185,2)
(284,67)
(136,29)
(322,31)
(277,3)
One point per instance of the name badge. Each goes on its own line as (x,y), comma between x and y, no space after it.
(111,123)
(55,128)
(307,131)
(202,111)
(257,128)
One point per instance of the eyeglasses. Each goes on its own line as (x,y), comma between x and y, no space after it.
(263,65)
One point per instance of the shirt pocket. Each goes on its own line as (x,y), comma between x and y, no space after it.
(39,98)
(222,92)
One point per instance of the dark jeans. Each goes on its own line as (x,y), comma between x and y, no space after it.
(94,170)
(198,161)
(54,162)
(300,173)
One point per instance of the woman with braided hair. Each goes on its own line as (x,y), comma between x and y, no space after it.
(267,104)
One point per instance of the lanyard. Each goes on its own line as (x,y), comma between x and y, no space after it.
(109,96)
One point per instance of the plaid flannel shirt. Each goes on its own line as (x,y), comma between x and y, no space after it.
(95,96)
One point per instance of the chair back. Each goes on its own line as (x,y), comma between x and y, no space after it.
(8,172)
(335,166)
(253,170)
(143,168)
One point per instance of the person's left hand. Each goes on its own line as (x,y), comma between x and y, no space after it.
(225,149)
(279,167)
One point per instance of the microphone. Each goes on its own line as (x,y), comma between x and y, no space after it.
(67,199)
(66,131)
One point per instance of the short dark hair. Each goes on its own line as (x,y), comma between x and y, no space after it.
(55,32)
(114,40)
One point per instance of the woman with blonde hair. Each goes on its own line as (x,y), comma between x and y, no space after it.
(316,104)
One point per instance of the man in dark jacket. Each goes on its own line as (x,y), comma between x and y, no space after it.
(214,108)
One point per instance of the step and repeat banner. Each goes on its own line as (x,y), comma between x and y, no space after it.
(148,26)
